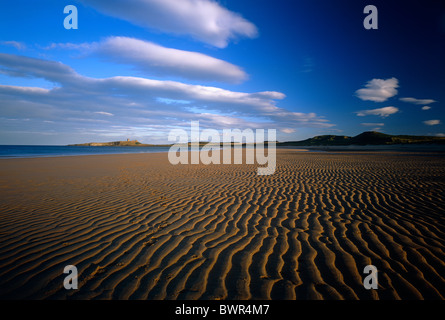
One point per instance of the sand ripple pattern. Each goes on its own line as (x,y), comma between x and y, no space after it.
(137,227)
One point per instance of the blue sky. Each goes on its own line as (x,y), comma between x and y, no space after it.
(137,69)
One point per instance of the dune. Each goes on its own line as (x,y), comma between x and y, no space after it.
(137,227)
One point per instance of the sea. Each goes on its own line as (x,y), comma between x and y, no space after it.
(32,151)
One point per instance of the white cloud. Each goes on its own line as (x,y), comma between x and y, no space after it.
(86,46)
(104,113)
(21,66)
(153,59)
(269,95)
(417,101)
(378,90)
(224,121)
(262,101)
(426,108)
(431,122)
(204,20)
(25,91)
(382,112)
(136,102)
(440,134)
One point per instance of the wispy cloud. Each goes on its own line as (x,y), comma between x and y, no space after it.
(373,124)
(174,101)
(16,44)
(431,122)
(153,59)
(426,108)
(24,91)
(308,65)
(378,90)
(204,20)
(86,47)
(418,101)
(104,113)
(382,112)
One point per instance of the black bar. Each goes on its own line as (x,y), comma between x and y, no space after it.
(276,310)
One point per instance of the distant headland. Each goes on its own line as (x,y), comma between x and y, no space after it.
(128,143)
(366,138)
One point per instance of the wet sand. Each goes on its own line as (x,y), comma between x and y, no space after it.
(137,227)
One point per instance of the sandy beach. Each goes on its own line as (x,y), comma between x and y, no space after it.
(137,227)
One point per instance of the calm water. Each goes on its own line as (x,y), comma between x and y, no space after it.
(57,151)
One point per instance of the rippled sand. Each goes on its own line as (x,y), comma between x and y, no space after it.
(137,227)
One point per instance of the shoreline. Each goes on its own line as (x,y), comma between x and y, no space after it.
(421,149)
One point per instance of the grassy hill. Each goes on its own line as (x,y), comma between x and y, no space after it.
(365,138)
